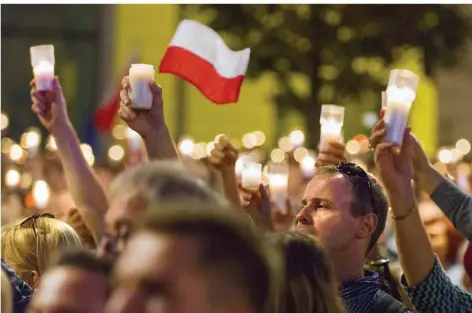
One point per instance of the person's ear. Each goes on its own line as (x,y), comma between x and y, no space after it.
(367,226)
(35,280)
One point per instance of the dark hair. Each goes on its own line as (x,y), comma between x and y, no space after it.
(310,285)
(364,199)
(85,260)
(230,250)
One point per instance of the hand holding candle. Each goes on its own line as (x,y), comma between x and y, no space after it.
(42,60)
(50,107)
(331,120)
(144,122)
(400,94)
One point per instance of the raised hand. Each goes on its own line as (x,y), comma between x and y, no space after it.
(50,106)
(223,158)
(144,122)
(395,169)
(257,204)
(333,154)
(420,161)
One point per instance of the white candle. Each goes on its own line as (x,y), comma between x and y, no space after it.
(330,132)
(134,140)
(399,102)
(43,76)
(140,75)
(251,176)
(331,120)
(42,60)
(307,166)
(41,194)
(278,186)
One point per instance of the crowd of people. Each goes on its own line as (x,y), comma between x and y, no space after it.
(160,239)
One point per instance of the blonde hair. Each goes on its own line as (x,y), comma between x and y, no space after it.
(27,252)
(7,296)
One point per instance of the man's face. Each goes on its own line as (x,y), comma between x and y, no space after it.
(124,208)
(326,213)
(159,273)
(70,290)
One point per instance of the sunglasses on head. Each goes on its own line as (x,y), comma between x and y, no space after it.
(32,221)
(354,170)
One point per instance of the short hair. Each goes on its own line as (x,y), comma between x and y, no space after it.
(229,248)
(364,201)
(26,252)
(164,181)
(310,285)
(85,260)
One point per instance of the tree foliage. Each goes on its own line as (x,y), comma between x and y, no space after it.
(326,53)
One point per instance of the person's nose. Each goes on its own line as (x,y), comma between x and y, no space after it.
(303,217)
(125,301)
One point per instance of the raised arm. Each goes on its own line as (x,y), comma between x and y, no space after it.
(454,203)
(427,284)
(150,124)
(86,190)
(223,158)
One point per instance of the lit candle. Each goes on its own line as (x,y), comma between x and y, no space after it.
(278,186)
(134,140)
(140,75)
(41,194)
(32,142)
(278,183)
(330,132)
(307,166)
(12,178)
(251,176)
(400,95)
(331,120)
(42,60)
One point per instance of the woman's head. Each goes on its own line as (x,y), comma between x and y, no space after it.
(30,245)
(310,285)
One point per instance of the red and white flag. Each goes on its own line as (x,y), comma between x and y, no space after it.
(199,55)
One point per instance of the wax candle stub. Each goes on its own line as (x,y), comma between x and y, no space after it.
(251,176)
(140,76)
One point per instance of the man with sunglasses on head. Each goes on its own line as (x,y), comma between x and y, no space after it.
(346,210)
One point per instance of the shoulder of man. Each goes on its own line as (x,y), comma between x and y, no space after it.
(385,303)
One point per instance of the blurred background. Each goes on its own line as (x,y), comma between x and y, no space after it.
(302,56)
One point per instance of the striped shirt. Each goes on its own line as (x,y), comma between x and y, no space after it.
(359,296)
(437,294)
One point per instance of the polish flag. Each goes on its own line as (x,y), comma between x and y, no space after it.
(199,55)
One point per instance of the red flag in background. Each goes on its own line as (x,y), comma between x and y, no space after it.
(104,116)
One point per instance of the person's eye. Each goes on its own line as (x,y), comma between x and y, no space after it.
(322,205)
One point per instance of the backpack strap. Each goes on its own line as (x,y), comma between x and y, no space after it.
(385,303)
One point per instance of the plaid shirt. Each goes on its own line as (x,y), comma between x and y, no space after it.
(438,294)
(359,296)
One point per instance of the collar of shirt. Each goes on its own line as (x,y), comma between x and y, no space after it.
(359,295)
